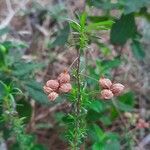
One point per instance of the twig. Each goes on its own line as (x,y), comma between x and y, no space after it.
(11,14)
(52,109)
(89,77)
(122,120)
(119,56)
(72,63)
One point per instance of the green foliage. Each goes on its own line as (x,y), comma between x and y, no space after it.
(35,90)
(126,102)
(15,109)
(102,25)
(103,140)
(137,50)
(18,70)
(3,90)
(4,31)
(123,29)
(103,4)
(134,5)
(105,66)
(24,110)
(61,38)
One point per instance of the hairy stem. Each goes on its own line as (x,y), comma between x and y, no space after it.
(77,109)
(78,83)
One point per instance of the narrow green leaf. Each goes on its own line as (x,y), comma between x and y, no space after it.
(3,91)
(83,19)
(103,25)
(75,26)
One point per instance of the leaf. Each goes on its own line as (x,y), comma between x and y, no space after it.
(57,11)
(103,4)
(112,145)
(124,107)
(39,147)
(98,146)
(127,98)
(35,91)
(83,19)
(112,136)
(126,102)
(75,26)
(106,65)
(97,19)
(103,25)
(2,90)
(97,106)
(123,29)
(24,109)
(22,68)
(106,120)
(4,31)
(2,56)
(62,37)
(68,119)
(137,50)
(96,133)
(14,44)
(134,5)
(93,116)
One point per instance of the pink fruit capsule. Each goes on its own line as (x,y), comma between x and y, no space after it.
(53,84)
(63,78)
(106,94)
(52,96)
(47,89)
(65,88)
(105,83)
(117,89)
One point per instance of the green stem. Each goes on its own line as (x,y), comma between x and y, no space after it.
(77,109)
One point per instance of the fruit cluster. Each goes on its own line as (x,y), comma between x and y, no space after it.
(142,124)
(61,85)
(109,89)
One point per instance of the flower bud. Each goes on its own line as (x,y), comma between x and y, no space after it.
(106,94)
(65,88)
(52,96)
(64,78)
(105,83)
(53,84)
(47,89)
(117,89)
